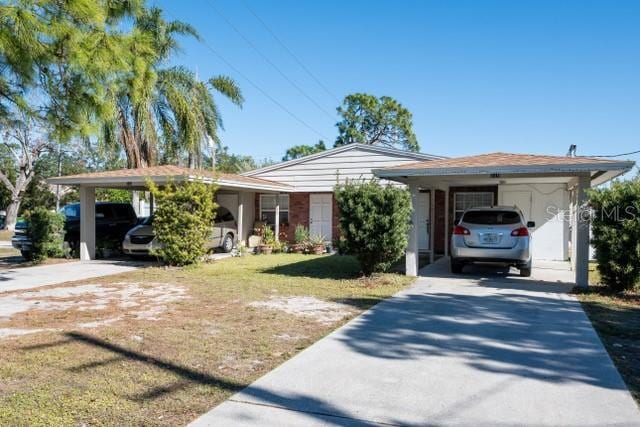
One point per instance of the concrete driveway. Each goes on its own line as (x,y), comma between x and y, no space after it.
(484,348)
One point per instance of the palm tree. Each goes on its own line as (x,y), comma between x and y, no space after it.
(164,114)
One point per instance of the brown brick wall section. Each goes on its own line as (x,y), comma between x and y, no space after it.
(298,213)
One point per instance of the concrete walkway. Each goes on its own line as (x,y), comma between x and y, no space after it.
(14,279)
(484,348)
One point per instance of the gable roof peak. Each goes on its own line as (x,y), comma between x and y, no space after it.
(342,148)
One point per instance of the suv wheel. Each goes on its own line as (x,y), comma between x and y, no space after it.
(456,267)
(525,272)
(227,243)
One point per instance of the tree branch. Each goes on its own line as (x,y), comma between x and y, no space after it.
(7,183)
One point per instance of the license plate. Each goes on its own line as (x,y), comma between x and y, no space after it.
(489,238)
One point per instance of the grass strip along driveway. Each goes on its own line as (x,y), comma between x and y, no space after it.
(161,346)
(616,318)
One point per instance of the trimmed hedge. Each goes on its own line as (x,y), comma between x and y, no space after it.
(183,220)
(46,231)
(615,230)
(374,222)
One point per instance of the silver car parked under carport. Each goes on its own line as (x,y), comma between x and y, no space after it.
(493,234)
(141,239)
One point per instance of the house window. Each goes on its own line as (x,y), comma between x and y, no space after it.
(268,208)
(466,200)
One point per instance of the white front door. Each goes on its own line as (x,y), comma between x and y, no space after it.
(423,221)
(320,212)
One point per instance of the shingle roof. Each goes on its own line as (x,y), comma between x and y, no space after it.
(501,160)
(171,171)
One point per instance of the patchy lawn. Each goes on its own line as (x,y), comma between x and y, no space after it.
(6,234)
(161,346)
(616,318)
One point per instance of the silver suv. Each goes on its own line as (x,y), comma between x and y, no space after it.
(494,234)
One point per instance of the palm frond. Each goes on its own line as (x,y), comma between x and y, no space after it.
(227,87)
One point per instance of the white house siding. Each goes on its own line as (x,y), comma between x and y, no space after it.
(549,208)
(321,174)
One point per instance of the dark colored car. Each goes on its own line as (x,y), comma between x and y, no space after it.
(113,220)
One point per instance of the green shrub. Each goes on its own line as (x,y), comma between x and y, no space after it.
(301,234)
(374,222)
(183,220)
(616,233)
(46,231)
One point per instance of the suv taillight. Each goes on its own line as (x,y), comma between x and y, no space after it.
(460,230)
(520,232)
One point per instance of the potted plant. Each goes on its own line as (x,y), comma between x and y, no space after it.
(317,244)
(268,240)
(301,236)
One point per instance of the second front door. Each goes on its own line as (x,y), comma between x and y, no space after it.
(320,212)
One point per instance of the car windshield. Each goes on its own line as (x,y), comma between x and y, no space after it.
(491,217)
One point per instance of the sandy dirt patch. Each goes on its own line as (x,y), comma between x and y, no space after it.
(85,306)
(14,332)
(317,309)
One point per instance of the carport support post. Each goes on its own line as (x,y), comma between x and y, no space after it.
(240,236)
(581,249)
(411,258)
(432,225)
(446,222)
(87,223)
(277,220)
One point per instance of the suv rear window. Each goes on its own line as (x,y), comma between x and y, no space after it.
(491,217)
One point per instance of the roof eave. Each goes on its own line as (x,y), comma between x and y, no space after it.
(483,170)
(136,181)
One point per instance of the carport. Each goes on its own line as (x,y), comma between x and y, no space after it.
(235,192)
(550,190)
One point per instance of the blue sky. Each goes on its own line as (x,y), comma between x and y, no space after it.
(478,76)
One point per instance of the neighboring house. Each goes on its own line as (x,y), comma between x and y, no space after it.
(313,178)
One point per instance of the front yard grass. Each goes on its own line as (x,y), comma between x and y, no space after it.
(239,318)
(616,318)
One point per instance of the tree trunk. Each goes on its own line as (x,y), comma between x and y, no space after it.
(12,213)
